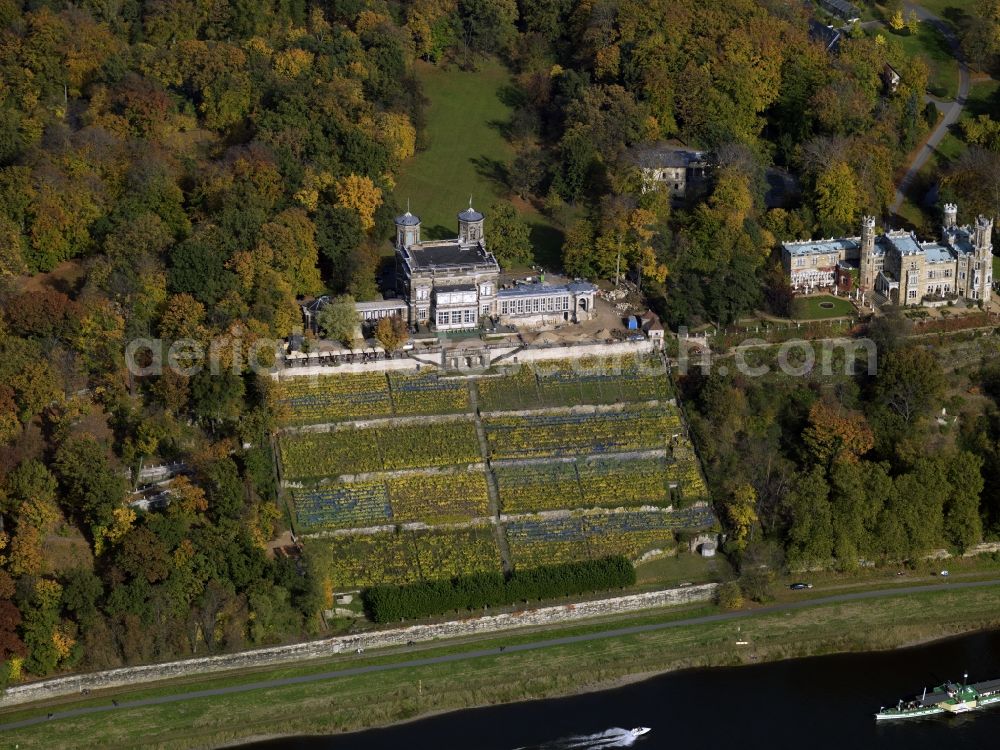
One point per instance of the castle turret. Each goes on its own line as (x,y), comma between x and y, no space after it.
(407,230)
(950,215)
(470,225)
(867,274)
(982,238)
(982,241)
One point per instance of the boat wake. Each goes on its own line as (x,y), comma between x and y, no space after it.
(614,737)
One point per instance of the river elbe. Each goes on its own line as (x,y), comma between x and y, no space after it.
(816,703)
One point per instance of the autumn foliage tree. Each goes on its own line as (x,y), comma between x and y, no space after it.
(391,332)
(834,434)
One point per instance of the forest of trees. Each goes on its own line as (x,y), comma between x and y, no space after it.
(740,78)
(841,471)
(187,169)
(181,170)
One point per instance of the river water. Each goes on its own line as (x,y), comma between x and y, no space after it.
(821,702)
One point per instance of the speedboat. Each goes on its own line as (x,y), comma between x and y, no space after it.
(639,731)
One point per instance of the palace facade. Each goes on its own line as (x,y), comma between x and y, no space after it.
(897,265)
(454,284)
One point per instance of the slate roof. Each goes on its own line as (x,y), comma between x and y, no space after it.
(407,220)
(428,255)
(820,247)
(841,8)
(660,156)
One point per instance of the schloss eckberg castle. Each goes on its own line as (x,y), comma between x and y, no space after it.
(896,265)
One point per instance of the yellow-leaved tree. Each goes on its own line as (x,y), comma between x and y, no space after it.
(741,511)
(359,194)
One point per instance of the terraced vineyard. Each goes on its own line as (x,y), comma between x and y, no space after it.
(685,471)
(439,498)
(331,398)
(342,507)
(438,444)
(312,456)
(358,560)
(580,537)
(574,434)
(336,398)
(428,393)
(428,497)
(426,465)
(588,380)
(601,482)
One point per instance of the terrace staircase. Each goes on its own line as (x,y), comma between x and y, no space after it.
(492,488)
(509,355)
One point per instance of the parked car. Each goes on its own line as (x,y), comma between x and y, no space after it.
(800,586)
(943,573)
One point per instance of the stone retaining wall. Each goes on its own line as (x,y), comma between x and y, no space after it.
(421,360)
(41,690)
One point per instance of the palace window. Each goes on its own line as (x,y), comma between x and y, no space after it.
(470,316)
(443,319)
(912,294)
(423,293)
(421,313)
(485,310)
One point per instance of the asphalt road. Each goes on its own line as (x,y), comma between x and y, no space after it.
(951,110)
(463,656)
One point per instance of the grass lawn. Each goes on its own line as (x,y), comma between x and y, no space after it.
(818,307)
(467,155)
(983,99)
(952,11)
(372,699)
(929,44)
(670,571)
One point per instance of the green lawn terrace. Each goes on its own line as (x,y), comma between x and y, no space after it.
(306,400)
(821,307)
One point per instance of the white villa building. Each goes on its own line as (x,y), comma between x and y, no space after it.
(897,265)
(455,284)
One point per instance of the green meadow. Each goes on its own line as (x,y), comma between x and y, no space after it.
(467,154)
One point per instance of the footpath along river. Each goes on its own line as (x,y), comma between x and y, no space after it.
(821,702)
